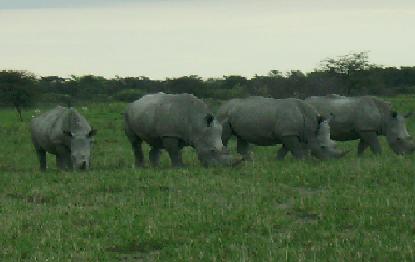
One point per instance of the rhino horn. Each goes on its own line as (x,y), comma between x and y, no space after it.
(343,153)
(237,161)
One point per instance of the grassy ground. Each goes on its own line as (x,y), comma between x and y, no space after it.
(342,210)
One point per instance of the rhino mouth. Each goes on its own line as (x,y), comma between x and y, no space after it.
(402,152)
(330,154)
(219,158)
(403,147)
(83,166)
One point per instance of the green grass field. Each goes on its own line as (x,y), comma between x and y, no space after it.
(342,210)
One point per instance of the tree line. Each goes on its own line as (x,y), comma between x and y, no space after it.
(351,74)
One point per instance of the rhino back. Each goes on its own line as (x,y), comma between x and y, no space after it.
(226,108)
(161,115)
(309,117)
(47,129)
(264,120)
(41,129)
(293,119)
(351,114)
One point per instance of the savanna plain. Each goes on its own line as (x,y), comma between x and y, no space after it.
(264,210)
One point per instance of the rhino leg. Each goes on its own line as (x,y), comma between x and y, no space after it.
(60,162)
(293,144)
(41,155)
(361,147)
(242,147)
(154,156)
(371,138)
(63,158)
(226,132)
(136,143)
(138,152)
(282,153)
(172,145)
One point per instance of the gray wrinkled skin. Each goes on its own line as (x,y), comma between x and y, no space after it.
(365,118)
(267,121)
(171,122)
(65,133)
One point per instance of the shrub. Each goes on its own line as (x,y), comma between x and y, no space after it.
(236,92)
(129,95)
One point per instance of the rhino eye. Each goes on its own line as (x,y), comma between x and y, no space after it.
(323,147)
(68,133)
(209,119)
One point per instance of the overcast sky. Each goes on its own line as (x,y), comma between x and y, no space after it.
(160,38)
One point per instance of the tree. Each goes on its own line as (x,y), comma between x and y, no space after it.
(275,73)
(347,66)
(17,89)
(192,84)
(90,84)
(234,81)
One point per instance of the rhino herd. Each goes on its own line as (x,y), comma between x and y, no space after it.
(173,121)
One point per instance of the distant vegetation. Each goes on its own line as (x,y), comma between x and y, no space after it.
(351,74)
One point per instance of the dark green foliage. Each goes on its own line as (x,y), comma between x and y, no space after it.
(186,84)
(351,74)
(351,69)
(347,64)
(17,89)
(129,95)
(234,81)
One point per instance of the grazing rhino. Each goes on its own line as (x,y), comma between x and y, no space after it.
(365,118)
(167,121)
(65,133)
(267,121)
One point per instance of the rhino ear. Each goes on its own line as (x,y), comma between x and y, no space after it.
(92,133)
(394,114)
(409,114)
(67,133)
(209,119)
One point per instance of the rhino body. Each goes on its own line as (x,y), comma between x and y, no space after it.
(365,118)
(267,121)
(171,122)
(65,133)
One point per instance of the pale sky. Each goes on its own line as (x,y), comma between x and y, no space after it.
(173,38)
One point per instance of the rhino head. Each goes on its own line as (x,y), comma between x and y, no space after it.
(397,134)
(80,147)
(321,145)
(209,146)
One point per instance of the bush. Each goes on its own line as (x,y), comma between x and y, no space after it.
(129,95)
(236,92)
(51,98)
(17,88)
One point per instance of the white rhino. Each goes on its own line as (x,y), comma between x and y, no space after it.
(365,118)
(65,133)
(167,121)
(267,121)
